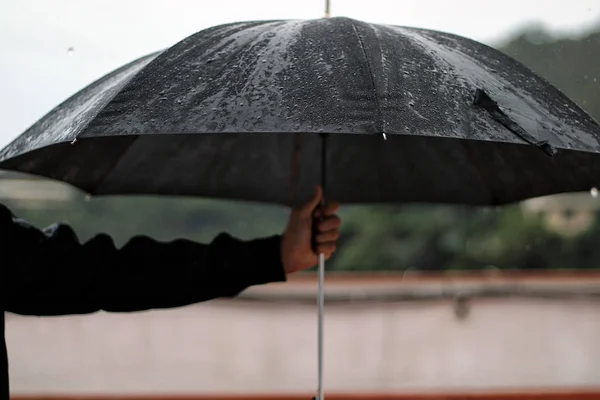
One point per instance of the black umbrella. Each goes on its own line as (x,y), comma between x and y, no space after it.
(241,111)
(233,110)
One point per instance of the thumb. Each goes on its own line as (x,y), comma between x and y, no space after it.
(307,208)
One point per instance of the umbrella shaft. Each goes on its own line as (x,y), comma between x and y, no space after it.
(320,305)
(321,284)
(323,166)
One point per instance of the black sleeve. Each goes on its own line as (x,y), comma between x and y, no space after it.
(49,272)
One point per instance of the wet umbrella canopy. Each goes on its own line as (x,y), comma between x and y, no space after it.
(234,112)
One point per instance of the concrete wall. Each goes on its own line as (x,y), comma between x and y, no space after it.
(236,346)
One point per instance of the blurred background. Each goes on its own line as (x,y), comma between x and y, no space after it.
(421,299)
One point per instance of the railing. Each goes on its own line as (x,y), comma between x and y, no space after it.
(512,395)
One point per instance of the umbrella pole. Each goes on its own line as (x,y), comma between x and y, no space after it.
(321,280)
(320,306)
(321,284)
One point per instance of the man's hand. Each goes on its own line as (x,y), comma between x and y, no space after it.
(296,245)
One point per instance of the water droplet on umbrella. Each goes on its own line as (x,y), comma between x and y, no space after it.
(70,51)
(594,192)
(74,141)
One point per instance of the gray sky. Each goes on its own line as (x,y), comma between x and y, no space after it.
(37,72)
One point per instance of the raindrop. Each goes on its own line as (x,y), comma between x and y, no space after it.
(87,197)
(595,79)
(594,192)
(70,51)
(412,104)
(210,60)
(74,141)
(384,136)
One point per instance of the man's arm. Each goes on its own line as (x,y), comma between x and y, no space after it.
(51,273)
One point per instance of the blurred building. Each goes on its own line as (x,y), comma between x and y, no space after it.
(383,334)
(31,192)
(567,214)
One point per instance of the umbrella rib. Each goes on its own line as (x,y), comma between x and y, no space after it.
(379,121)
